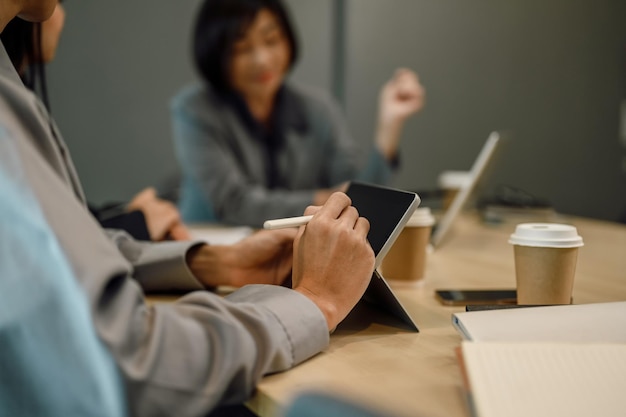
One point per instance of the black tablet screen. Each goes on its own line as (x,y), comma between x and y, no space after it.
(384,208)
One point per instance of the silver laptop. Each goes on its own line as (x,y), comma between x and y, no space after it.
(476,177)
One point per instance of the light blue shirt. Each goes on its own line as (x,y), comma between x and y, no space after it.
(51,361)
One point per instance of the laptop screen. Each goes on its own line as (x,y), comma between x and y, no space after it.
(477,176)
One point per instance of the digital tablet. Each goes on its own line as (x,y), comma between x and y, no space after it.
(388,210)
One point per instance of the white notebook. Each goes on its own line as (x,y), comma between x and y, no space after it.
(537,380)
(595,323)
(220,235)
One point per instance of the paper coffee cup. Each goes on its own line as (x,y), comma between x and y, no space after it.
(545,262)
(451,182)
(406,260)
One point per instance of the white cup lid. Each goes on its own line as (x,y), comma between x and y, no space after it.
(454,179)
(549,235)
(421,217)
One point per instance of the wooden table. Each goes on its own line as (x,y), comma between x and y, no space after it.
(409,374)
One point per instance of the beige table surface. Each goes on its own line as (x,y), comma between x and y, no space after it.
(377,363)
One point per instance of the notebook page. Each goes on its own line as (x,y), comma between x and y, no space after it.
(523,380)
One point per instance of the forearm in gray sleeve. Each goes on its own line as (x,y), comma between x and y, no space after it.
(158,266)
(187,357)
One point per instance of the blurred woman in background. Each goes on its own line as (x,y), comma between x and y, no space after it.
(253,145)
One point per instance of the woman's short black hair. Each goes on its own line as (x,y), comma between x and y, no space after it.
(218,26)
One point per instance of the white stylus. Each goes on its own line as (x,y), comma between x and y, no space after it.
(287,222)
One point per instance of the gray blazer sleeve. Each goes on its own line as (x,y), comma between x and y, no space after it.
(157,266)
(181,358)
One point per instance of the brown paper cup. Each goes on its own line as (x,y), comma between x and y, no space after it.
(406,260)
(545,262)
(544,275)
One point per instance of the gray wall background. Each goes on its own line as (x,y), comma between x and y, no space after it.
(554,73)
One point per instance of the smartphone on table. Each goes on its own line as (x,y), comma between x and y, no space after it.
(455,297)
